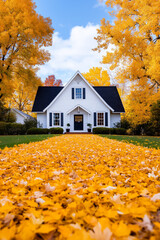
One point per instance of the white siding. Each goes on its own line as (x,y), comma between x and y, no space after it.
(115,118)
(41,119)
(65,103)
(19,118)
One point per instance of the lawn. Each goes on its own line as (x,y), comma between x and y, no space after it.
(145,141)
(10,141)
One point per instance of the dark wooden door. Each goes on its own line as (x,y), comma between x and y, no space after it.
(78,122)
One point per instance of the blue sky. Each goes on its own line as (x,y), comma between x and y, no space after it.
(67,14)
(75,24)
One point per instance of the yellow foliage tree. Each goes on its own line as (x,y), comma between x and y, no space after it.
(24,94)
(138,104)
(23,33)
(136,36)
(97,77)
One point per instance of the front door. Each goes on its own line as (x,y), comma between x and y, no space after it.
(78,122)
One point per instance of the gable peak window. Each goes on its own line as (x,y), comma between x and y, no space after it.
(78,93)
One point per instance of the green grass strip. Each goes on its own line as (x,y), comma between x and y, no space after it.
(12,140)
(145,141)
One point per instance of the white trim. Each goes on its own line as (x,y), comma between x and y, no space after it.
(78,105)
(78,72)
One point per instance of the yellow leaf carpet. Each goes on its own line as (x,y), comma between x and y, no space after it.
(79,187)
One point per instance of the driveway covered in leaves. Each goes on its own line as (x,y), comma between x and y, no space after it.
(79,187)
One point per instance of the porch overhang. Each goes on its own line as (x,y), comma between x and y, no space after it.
(79,107)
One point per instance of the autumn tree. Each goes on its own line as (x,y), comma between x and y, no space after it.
(23,33)
(97,77)
(52,81)
(135,34)
(24,94)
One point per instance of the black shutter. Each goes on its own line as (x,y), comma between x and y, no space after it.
(84,93)
(50,119)
(106,118)
(61,119)
(95,119)
(72,93)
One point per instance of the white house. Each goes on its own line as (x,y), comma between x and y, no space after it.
(20,116)
(78,104)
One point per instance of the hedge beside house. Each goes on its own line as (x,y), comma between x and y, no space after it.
(104,130)
(38,131)
(12,128)
(56,130)
(7,128)
(45,130)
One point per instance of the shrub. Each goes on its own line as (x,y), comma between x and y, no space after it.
(112,130)
(15,129)
(38,131)
(3,128)
(120,131)
(104,130)
(56,130)
(11,128)
(11,117)
(30,123)
(130,131)
(124,123)
(3,111)
(101,130)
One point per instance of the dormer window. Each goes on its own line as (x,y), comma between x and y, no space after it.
(78,93)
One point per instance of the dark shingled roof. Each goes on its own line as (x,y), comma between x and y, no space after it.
(111,96)
(45,96)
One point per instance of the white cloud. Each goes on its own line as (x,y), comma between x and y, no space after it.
(72,54)
(100,3)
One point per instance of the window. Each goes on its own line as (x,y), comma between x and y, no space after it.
(78,93)
(56,119)
(100,119)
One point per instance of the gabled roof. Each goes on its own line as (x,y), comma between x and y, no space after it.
(89,85)
(45,95)
(111,96)
(22,113)
(79,106)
